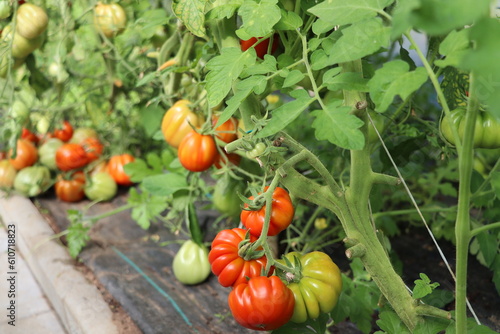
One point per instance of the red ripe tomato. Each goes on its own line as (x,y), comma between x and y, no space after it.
(281,214)
(227,131)
(65,133)
(197,152)
(26,154)
(261,48)
(230,268)
(93,147)
(71,156)
(70,190)
(223,159)
(115,168)
(28,135)
(263,304)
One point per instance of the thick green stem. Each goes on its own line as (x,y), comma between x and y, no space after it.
(462,226)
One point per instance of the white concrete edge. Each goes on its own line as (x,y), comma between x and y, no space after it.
(78,303)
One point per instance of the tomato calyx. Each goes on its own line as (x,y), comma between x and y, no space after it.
(289,272)
(248,250)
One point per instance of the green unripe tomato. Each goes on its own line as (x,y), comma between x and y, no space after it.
(225,196)
(32,181)
(5,9)
(21,46)
(191,264)
(20,112)
(100,187)
(258,149)
(47,152)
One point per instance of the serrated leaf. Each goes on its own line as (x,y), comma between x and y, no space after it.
(453,47)
(243,89)
(287,113)
(192,14)
(342,12)
(423,287)
(288,21)
(226,10)
(258,18)
(292,78)
(77,238)
(138,170)
(401,17)
(338,126)
(268,65)
(488,244)
(347,81)
(483,61)
(391,323)
(438,17)
(359,40)
(164,184)
(394,79)
(223,70)
(146,207)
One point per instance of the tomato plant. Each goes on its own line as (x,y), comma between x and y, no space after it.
(197,152)
(190,265)
(7,174)
(65,132)
(281,214)
(177,122)
(230,268)
(115,168)
(262,48)
(71,156)
(26,154)
(71,189)
(110,19)
(263,303)
(100,187)
(316,287)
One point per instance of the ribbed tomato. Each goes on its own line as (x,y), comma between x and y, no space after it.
(263,304)
(282,212)
(93,147)
(197,152)
(230,268)
(31,21)
(65,132)
(71,156)
(26,154)
(70,190)
(110,19)
(176,122)
(115,168)
(227,131)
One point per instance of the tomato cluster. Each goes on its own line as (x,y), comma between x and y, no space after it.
(197,150)
(70,159)
(31,23)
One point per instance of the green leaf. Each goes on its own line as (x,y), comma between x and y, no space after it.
(453,47)
(288,21)
(342,12)
(192,14)
(285,114)
(488,244)
(438,17)
(483,61)
(401,17)
(223,70)
(224,11)
(194,224)
(268,65)
(495,183)
(311,326)
(292,78)
(151,119)
(359,40)
(423,287)
(439,298)
(147,207)
(338,126)
(243,89)
(346,81)
(77,238)
(258,18)
(391,323)
(164,184)
(394,78)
